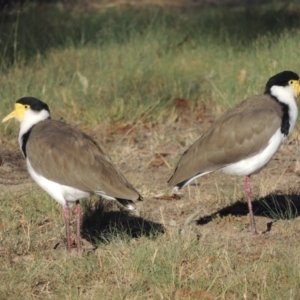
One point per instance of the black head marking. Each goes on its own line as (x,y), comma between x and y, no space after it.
(34,103)
(280,79)
(25,138)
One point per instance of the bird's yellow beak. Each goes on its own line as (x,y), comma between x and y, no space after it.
(18,113)
(296,86)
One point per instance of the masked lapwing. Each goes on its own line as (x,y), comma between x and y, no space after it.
(245,138)
(67,163)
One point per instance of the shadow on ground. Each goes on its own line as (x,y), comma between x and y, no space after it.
(273,206)
(103,221)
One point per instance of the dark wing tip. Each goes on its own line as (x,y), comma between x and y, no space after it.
(127,203)
(181,184)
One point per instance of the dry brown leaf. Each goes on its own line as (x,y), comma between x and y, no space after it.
(182,294)
(166,197)
(182,103)
(125,129)
(200,116)
(289,170)
(156,162)
(203,295)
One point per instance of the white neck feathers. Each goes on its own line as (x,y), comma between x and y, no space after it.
(30,119)
(285,95)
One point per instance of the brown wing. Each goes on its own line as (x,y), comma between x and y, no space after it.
(240,133)
(63,154)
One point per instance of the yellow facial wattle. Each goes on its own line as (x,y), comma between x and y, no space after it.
(18,113)
(296,86)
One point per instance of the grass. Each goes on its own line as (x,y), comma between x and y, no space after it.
(168,266)
(130,65)
(278,210)
(124,66)
(144,268)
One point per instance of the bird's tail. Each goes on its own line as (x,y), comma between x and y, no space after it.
(127,203)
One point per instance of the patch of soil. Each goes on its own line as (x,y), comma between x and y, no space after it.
(13,171)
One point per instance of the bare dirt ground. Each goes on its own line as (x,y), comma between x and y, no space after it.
(214,205)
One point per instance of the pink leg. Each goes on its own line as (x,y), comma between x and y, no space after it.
(77,212)
(67,222)
(248,196)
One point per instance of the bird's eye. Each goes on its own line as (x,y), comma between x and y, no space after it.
(26,106)
(291,82)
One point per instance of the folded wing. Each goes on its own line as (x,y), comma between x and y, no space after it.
(70,157)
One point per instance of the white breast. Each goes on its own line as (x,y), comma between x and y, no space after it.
(255,163)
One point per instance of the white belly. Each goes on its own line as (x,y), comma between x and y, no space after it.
(255,163)
(61,193)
